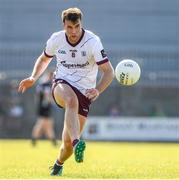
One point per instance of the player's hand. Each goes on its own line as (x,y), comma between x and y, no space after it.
(25,84)
(92,94)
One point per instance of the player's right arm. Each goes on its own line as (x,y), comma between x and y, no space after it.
(40,66)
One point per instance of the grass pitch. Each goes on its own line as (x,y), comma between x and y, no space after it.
(19,160)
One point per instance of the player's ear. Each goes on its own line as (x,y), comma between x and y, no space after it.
(63,23)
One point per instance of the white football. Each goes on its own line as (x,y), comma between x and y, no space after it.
(127,72)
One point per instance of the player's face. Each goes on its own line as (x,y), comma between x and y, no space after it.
(73,30)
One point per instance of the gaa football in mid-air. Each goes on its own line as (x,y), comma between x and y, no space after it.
(127,72)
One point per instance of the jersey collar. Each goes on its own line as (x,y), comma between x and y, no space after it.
(83,32)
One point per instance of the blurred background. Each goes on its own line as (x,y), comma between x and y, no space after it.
(146,31)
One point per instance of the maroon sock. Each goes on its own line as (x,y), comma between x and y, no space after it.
(75,141)
(58,163)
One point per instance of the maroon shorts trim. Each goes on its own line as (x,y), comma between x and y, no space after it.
(84,102)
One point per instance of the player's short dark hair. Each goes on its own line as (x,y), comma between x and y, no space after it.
(71,14)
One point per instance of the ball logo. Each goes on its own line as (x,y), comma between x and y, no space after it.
(128,65)
(122,77)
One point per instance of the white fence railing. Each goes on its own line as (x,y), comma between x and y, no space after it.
(132,129)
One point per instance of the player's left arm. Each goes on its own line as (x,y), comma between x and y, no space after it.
(107,75)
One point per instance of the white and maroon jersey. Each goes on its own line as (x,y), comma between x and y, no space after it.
(77,63)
